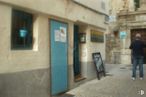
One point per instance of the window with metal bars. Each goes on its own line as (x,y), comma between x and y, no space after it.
(21,36)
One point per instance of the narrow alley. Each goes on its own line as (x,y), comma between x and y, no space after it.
(57,48)
(117,83)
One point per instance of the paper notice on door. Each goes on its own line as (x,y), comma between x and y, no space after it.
(57,35)
(62,34)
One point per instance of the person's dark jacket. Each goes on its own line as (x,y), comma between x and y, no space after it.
(137,47)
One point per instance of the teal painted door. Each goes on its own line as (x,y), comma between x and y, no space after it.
(77,69)
(59,78)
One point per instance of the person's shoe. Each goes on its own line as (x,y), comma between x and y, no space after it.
(133,78)
(141,78)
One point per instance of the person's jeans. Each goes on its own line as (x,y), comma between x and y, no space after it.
(137,60)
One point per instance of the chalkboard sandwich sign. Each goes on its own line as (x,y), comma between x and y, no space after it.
(97,59)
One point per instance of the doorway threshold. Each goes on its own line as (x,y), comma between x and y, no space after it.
(79,78)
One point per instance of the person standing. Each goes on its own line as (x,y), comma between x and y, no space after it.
(137,47)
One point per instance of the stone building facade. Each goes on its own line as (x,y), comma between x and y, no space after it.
(113,45)
(127,25)
(131,23)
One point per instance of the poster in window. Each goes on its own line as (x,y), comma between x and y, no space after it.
(23,32)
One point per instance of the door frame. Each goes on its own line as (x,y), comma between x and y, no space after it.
(79,76)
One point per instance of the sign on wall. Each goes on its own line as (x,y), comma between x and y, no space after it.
(97,36)
(123,34)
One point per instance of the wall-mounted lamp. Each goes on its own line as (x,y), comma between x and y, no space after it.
(82,37)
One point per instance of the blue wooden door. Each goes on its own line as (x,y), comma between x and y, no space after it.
(59,77)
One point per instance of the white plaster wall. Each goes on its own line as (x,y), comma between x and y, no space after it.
(70,42)
(95,4)
(95,47)
(86,50)
(38,57)
(21,60)
(92,47)
(5,36)
(61,8)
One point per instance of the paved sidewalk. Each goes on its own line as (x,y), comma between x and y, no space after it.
(118,83)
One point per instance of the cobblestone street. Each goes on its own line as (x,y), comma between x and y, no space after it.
(117,83)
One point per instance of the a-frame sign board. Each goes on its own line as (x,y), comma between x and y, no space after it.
(97,59)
